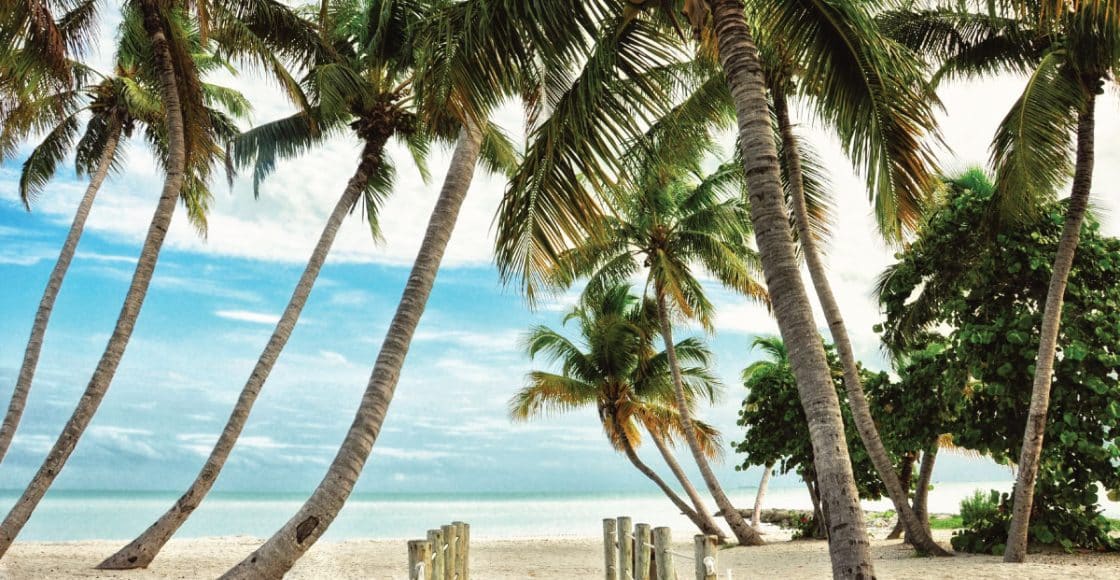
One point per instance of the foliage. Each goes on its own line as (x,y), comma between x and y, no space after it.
(776,428)
(614,367)
(804,527)
(987,302)
(985,519)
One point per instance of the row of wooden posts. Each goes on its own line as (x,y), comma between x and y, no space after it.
(630,554)
(445,555)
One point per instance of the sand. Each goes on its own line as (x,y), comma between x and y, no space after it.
(553,559)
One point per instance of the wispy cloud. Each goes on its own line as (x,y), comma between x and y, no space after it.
(248,316)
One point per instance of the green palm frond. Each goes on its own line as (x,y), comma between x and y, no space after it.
(44,159)
(264,145)
(870,89)
(1032,151)
(549,393)
(622,88)
(499,154)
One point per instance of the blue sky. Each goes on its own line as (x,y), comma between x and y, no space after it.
(213,301)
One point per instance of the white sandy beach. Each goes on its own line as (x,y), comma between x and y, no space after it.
(552,559)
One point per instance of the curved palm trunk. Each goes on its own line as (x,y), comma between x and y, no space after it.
(756,515)
(905,478)
(54,284)
(921,495)
(744,533)
(703,519)
(632,455)
(280,552)
(1048,341)
(861,411)
(140,552)
(134,299)
(850,550)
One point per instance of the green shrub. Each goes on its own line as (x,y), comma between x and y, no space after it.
(985,520)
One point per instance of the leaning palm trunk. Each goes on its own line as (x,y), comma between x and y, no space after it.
(850,549)
(140,552)
(744,533)
(134,299)
(1047,345)
(905,478)
(756,515)
(861,412)
(1048,340)
(632,455)
(280,552)
(921,495)
(703,519)
(54,283)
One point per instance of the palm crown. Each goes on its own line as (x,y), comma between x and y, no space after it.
(615,368)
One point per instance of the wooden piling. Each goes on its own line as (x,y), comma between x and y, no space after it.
(450,536)
(610,552)
(643,552)
(625,548)
(420,560)
(705,557)
(463,554)
(438,554)
(662,546)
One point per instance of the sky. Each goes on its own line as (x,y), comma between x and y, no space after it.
(214,300)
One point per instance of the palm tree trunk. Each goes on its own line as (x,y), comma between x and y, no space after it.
(904,478)
(756,515)
(744,533)
(861,411)
(818,513)
(921,495)
(134,299)
(141,551)
(703,520)
(1048,340)
(850,551)
(280,552)
(54,284)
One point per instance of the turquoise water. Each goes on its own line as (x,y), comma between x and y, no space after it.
(119,515)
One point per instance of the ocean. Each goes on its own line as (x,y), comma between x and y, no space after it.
(121,515)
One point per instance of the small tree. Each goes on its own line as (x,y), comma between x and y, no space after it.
(988,303)
(778,432)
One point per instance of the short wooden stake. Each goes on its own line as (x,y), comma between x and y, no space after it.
(625,548)
(643,552)
(438,554)
(420,560)
(662,546)
(464,553)
(451,536)
(610,552)
(705,557)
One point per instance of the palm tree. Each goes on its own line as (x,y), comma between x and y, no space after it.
(669,223)
(549,204)
(614,370)
(1068,51)
(443,106)
(115,105)
(168,42)
(852,72)
(378,110)
(36,48)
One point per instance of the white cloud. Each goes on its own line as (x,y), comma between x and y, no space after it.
(333,357)
(124,440)
(507,340)
(248,316)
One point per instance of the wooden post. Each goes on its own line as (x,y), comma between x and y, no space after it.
(451,536)
(610,554)
(625,548)
(662,544)
(438,554)
(464,553)
(419,560)
(705,557)
(643,551)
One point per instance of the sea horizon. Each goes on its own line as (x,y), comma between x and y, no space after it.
(79,515)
